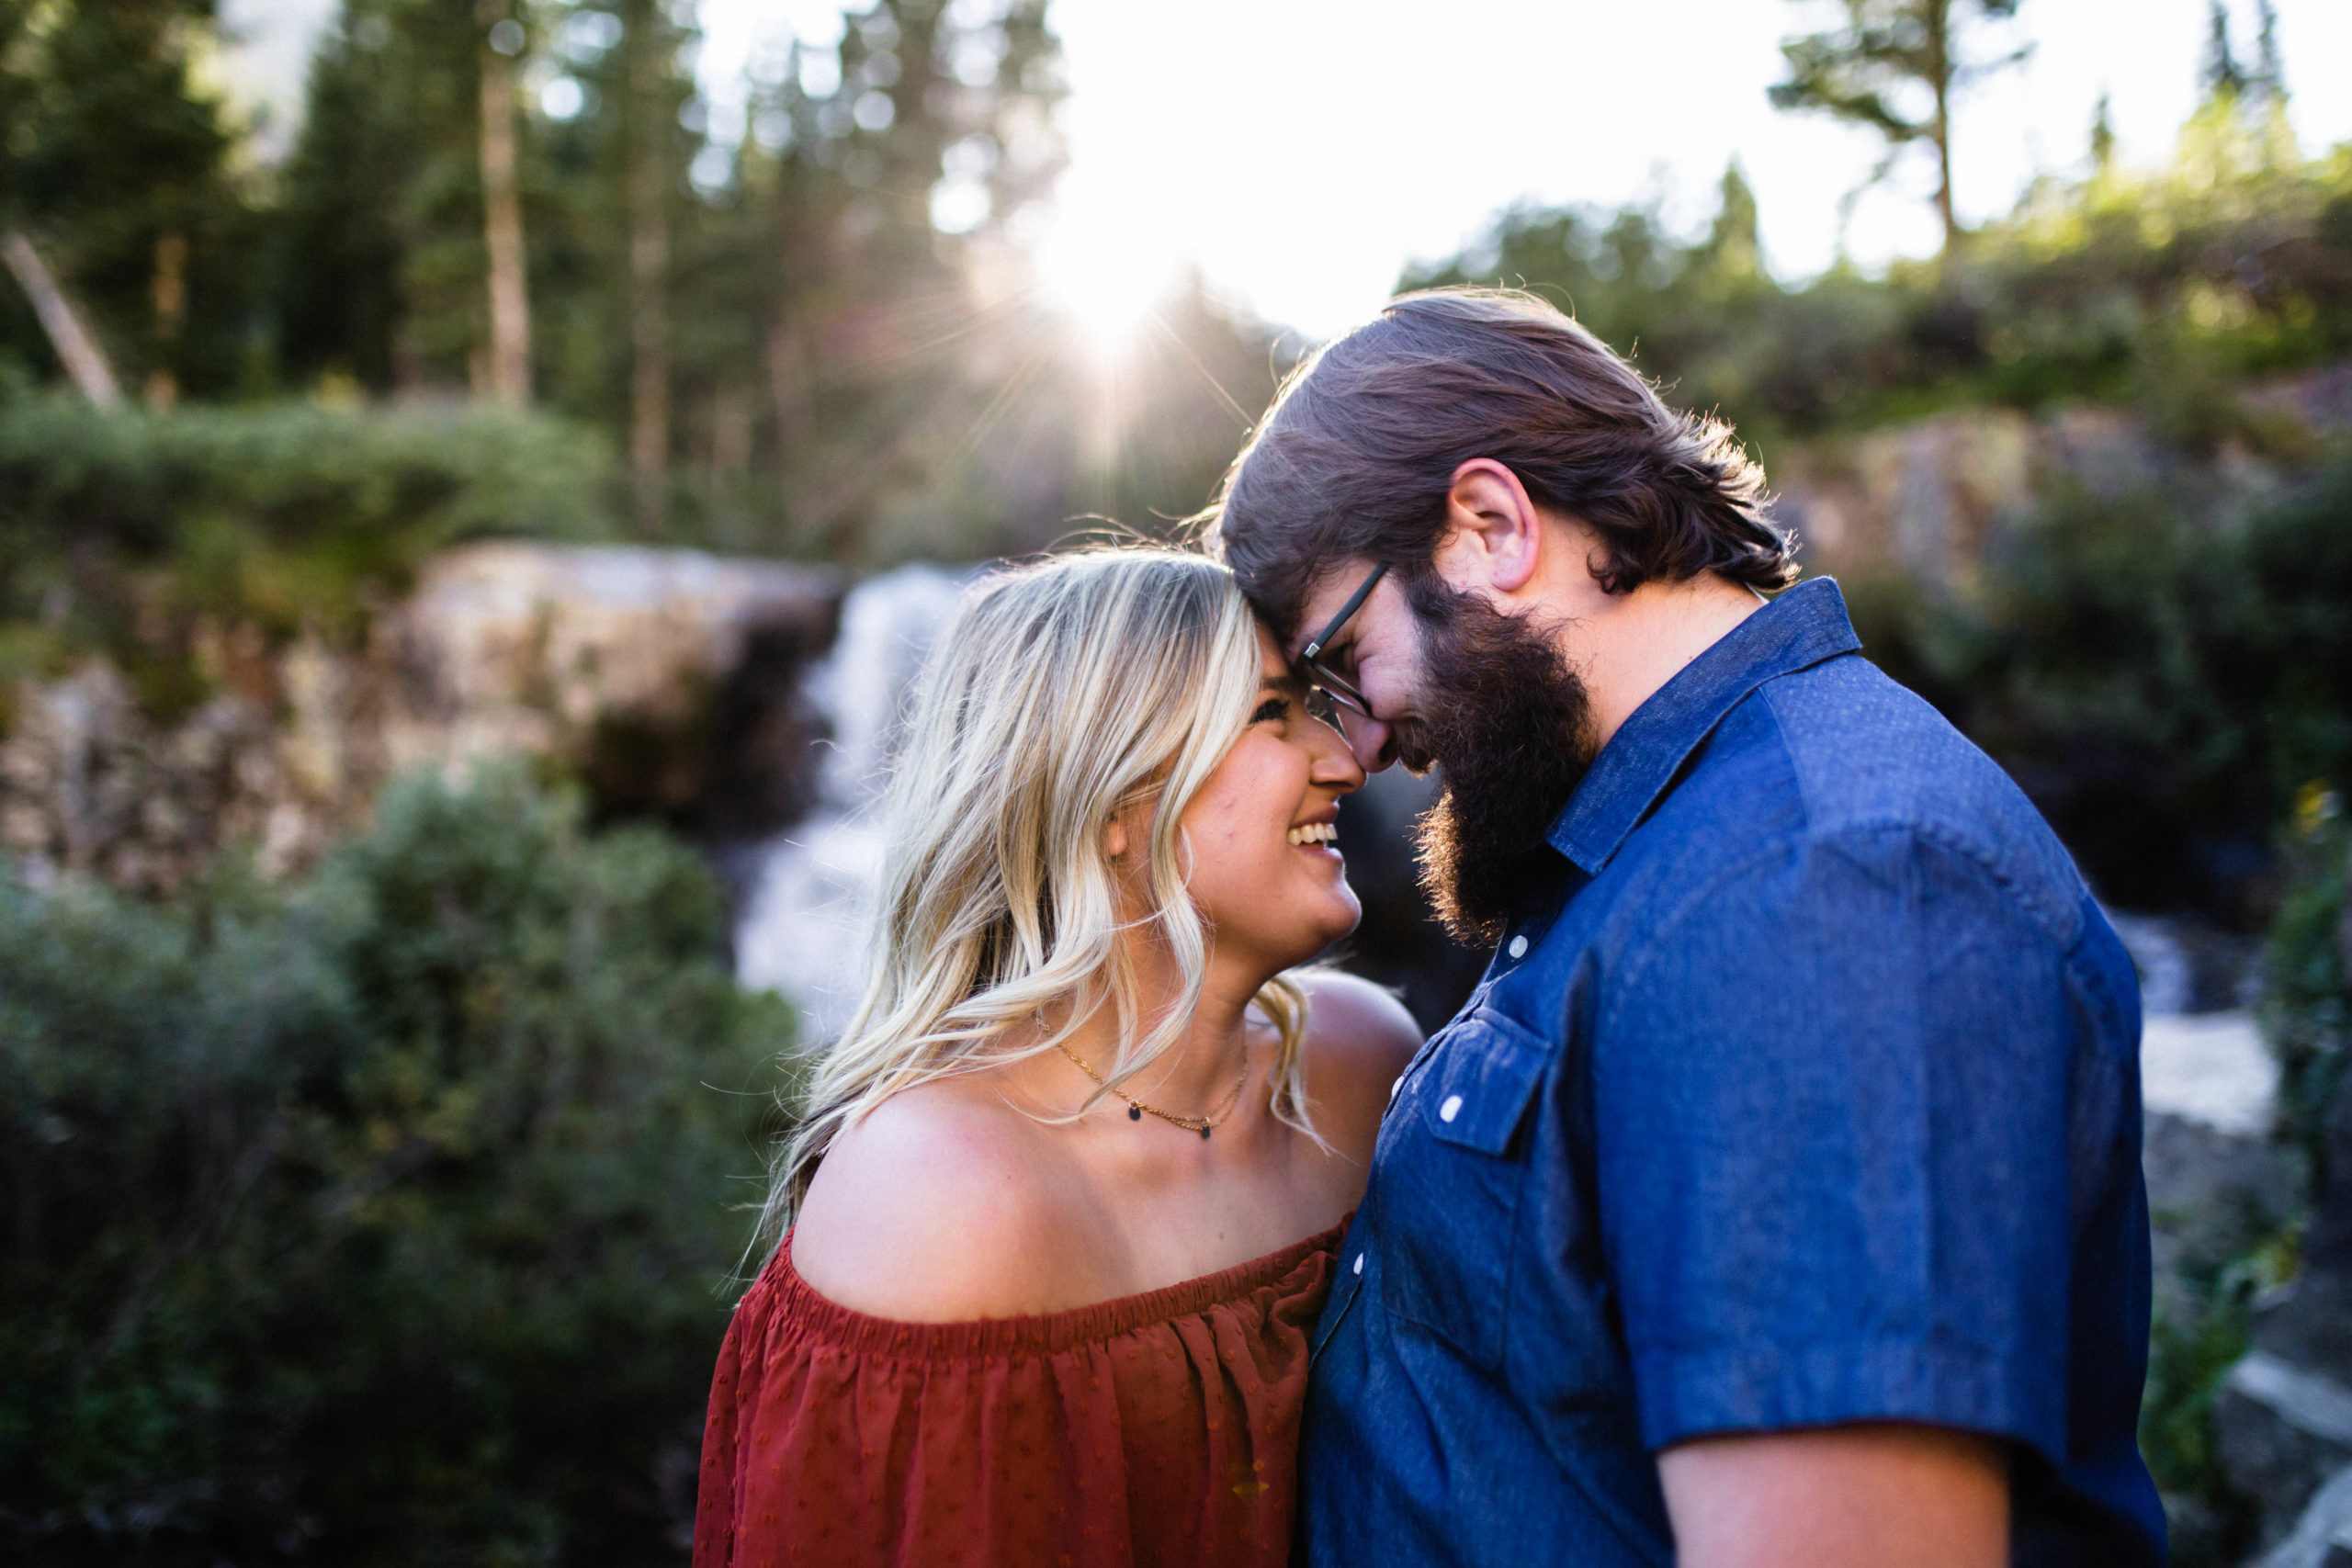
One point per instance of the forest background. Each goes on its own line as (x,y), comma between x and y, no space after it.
(375,1208)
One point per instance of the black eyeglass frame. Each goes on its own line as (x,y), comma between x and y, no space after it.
(1320,677)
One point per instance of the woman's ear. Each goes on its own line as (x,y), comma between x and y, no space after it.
(1114,837)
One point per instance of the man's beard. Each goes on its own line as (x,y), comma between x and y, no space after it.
(1509,728)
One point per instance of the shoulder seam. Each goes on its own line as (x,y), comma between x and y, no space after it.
(1637,969)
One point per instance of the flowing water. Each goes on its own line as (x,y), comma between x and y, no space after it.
(806,927)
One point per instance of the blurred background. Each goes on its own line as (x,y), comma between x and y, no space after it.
(476,475)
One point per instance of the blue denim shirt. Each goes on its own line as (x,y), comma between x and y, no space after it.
(1809,1094)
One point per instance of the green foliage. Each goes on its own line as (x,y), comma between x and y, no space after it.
(116,159)
(2307,992)
(133,533)
(2161,680)
(783,318)
(2189,1356)
(2162,292)
(380,1221)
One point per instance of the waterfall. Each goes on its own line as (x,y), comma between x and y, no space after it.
(2202,1053)
(806,926)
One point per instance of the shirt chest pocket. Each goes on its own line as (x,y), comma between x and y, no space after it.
(1452,1166)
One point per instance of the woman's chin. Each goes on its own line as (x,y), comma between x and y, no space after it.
(1335,924)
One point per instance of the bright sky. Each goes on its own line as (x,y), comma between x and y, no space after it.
(1302,152)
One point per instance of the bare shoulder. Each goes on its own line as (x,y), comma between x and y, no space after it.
(942,1205)
(1359,1038)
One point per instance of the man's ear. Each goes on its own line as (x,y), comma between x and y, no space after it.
(1493,539)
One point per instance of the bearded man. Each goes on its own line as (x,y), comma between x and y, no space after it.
(1776,1197)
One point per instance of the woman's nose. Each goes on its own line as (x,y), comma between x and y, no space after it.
(1338,762)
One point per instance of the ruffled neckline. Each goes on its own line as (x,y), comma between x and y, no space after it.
(797,1303)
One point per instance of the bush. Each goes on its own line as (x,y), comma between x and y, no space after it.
(127,529)
(381,1221)
(2161,676)
(2307,974)
(2164,289)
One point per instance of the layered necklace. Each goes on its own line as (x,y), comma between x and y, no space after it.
(1137,1110)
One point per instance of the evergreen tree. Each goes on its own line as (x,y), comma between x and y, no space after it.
(1888,52)
(400,265)
(115,163)
(2220,71)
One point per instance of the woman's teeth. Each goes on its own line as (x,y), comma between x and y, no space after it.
(1314,833)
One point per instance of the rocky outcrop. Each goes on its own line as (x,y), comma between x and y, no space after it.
(1929,499)
(669,679)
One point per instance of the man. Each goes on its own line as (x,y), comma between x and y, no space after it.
(1776,1198)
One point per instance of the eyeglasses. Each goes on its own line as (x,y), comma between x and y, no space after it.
(1329,695)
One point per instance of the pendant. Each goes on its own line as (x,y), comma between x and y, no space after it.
(1135,1113)
(1204,1135)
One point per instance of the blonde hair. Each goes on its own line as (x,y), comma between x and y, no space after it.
(1062,692)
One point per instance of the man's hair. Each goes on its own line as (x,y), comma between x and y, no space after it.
(1356,456)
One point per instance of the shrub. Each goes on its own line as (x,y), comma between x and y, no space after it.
(2307,973)
(125,529)
(381,1220)
(2160,674)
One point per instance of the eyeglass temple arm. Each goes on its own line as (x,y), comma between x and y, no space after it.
(1355,603)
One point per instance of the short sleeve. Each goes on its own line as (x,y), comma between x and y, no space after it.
(1831,1136)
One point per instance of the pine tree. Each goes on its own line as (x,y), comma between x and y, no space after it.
(2221,75)
(404,212)
(114,172)
(1861,73)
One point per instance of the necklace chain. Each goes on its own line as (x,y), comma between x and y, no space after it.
(1137,1110)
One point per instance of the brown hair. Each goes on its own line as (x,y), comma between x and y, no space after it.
(1355,457)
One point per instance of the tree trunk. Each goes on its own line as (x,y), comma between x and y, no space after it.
(510,298)
(85,361)
(1940,66)
(171,315)
(648,267)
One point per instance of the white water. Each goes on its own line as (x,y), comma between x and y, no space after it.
(2213,1067)
(805,928)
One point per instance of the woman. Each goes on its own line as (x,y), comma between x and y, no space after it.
(1063,1207)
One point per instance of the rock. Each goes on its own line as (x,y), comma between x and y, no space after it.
(2323,1535)
(2282,1430)
(2284,1419)
(669,679)
(2214,1195)
(1927,498)
(508,646)
(90,784)
(2213,1069)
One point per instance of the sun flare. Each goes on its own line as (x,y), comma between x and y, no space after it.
(1101,291)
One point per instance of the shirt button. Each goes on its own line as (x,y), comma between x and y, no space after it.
(1519,947)
(1359,1262)
(1451,1109)
(1397,1085)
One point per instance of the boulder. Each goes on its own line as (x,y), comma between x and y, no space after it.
(669,679)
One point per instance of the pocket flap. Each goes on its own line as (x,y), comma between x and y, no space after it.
(1486,1077)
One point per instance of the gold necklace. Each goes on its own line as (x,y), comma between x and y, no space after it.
(1136,1109)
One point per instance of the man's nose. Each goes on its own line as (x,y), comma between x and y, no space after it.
(1368,739)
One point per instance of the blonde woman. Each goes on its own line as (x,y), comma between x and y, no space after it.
(1063,1210)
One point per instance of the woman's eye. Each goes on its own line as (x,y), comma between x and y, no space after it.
(1270,710)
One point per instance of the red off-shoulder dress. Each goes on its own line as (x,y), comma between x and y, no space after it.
(1158,1429)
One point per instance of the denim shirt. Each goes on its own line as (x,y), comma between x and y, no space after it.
(1807,1093)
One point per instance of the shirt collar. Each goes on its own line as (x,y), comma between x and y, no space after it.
(1795,631)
